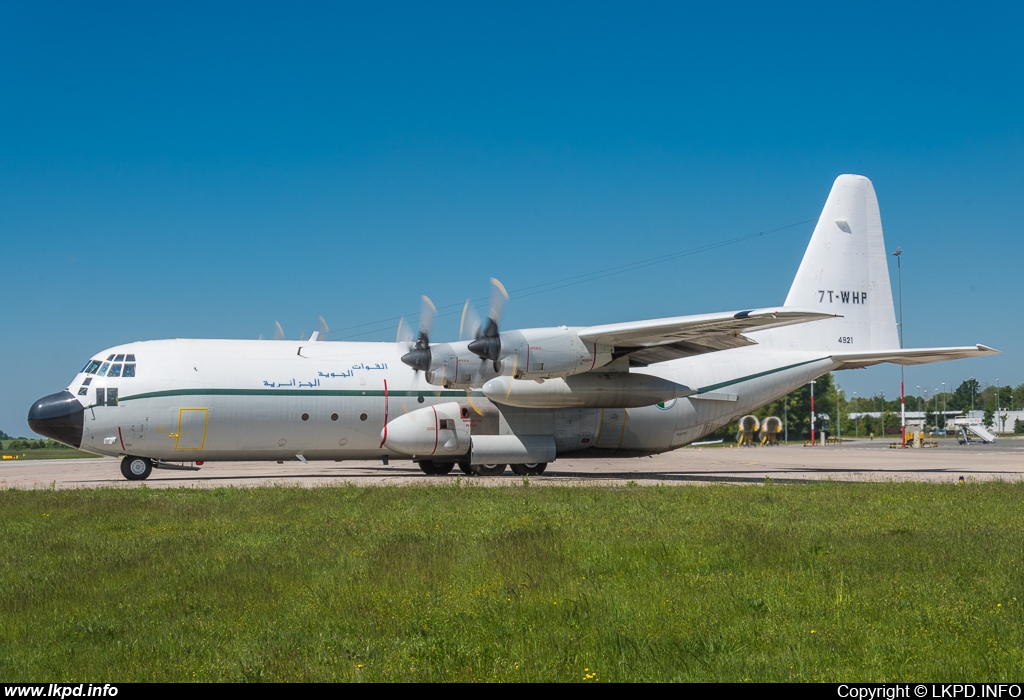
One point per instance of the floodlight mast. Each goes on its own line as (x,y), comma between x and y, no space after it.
(812,413)
(903,405)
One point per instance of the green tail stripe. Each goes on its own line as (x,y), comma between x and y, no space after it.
(713,387)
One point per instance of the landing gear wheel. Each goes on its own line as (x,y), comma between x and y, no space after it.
(136,468)
(436,468)
(534,469)
(465,467)
(488,469)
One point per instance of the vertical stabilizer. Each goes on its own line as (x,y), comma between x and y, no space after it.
(844,271)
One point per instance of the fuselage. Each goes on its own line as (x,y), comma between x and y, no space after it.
(207,400)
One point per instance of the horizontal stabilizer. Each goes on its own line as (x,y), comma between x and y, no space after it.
(911,356)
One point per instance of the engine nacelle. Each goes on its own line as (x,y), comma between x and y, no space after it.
(536,353)
(544,353)
(430,431)
(589,390)
(453,366)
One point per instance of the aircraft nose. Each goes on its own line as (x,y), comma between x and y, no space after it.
(59,417)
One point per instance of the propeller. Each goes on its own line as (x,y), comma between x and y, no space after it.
(469,325)
(419,356)
(324,329)
(487,345)
(279,332)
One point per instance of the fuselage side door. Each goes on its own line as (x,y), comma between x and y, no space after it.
(191,428)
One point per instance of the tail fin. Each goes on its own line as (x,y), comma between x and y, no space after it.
(844,271)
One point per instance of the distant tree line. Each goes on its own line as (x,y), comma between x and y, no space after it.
(17,444)
(833,408)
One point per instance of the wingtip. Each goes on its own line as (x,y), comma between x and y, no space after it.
(985,348)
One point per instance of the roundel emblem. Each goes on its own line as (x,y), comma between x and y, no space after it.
(666,405)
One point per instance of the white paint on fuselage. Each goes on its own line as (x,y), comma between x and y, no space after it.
(248,399)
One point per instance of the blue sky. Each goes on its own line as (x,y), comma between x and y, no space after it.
(204,170)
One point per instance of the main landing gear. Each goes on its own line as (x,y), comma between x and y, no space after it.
(436,468)
(136,468)
(441,468)
(488,469)
(534,469)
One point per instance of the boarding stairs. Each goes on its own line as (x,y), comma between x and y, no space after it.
(972,431)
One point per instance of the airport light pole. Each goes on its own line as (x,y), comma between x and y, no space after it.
(903,407)
(812,413)
(943,406)
(972,394)
(917,403)
(785,416)
(858,414)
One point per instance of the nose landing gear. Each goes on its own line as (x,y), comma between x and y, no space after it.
(136,468)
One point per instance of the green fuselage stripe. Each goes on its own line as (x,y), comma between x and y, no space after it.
(289,392)
(380,392)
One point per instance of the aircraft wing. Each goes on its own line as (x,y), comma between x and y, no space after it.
(912,356)
(658,340)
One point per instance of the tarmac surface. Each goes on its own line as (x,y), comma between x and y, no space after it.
(854,460)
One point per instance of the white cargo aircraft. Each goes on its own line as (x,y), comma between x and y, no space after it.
(519,398)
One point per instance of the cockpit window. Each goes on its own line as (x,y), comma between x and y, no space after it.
(92,367)
(119,358)
(129,370)
(115,371)
(103,369)
(109,358)
(129,358)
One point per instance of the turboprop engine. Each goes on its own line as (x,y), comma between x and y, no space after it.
(536,353)
(544,353)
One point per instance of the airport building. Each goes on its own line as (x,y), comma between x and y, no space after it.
(1003,421)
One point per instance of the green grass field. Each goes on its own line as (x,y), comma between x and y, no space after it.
(828,581)
(9,449)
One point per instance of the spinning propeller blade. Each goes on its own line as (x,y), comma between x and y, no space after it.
(419,356)
(487,345)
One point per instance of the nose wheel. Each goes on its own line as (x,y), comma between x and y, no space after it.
(136,468)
